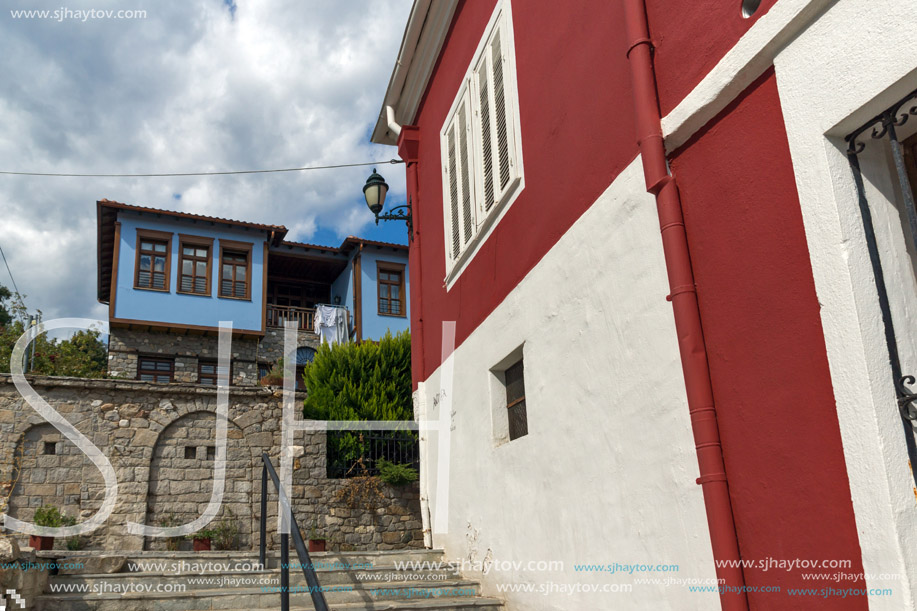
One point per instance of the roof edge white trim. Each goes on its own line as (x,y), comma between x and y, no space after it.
(423,39)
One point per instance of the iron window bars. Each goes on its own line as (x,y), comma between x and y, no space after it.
(884,126)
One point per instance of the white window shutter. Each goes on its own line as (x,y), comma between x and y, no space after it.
(486,127)
(501,125)
(468,220)
(481,152)
(497,152)
(451,175)
(459,177)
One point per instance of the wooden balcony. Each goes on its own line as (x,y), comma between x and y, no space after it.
(278,315)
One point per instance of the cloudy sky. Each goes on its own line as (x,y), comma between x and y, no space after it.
(196,85)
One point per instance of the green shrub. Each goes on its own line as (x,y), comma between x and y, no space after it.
(226,532)
(395,474)
(50,516)
(353,382)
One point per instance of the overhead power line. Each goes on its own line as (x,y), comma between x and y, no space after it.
(13,280)
(167,174)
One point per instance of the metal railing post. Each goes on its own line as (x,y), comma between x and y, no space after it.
(305,562)
(285,572)
(262,546)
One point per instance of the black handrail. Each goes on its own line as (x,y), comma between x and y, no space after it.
(318,597)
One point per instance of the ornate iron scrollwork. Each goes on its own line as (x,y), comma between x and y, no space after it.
(906,397)
(880,123)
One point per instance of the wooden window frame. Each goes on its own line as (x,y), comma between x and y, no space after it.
(170,360)
(388,267)
(216,369)
(158,236)
(513,403)
(246,247)
(194,241)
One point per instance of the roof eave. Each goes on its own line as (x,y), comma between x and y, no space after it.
(426,31)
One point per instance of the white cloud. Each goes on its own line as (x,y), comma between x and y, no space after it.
(193,87)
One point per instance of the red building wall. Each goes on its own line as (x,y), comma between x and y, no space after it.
(574,144)
(775,401)
(774,398)
(690,37)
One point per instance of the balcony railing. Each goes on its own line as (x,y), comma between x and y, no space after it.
(278,315)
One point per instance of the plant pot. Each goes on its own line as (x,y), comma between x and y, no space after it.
(317,545)
(201,545)
(41,543)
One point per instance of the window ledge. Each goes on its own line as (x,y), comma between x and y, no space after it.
(146,288)
(194,294)
(487,227)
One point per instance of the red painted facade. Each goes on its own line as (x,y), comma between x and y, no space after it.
(769,368)
(774,398)
(690,37)
(573,145)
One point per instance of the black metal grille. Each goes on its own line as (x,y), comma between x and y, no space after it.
(883,127)
(345,448)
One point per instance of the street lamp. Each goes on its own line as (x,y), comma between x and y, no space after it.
(374,191)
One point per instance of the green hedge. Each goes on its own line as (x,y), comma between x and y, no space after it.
(367,381)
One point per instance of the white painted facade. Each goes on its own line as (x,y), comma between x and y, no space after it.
(838,63)
(857,59)
(607,471)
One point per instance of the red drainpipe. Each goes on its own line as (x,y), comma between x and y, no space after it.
(683,296)
(409,151)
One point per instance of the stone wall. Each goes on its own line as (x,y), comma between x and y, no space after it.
(247,352)
(160,440)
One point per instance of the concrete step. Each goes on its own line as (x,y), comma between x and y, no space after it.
(452,594)
(191,562)
(207,580)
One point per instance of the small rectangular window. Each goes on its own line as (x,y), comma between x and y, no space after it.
(207,373)
(50,448)
(515,401)
(390,281)
(235,270)
(211,452)
(190,452)
(155,369)
(154,253)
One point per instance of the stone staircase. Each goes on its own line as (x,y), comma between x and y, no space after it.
(195,581)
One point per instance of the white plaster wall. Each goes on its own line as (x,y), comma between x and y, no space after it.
(855,60)
(606,473)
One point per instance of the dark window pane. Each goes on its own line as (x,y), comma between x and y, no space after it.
(145,262)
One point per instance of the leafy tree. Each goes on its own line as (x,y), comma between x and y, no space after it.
(82,355)
(366,381)
(6,317)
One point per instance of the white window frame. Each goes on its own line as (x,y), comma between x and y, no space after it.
(483,218)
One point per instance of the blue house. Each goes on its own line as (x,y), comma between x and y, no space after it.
(170,277)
